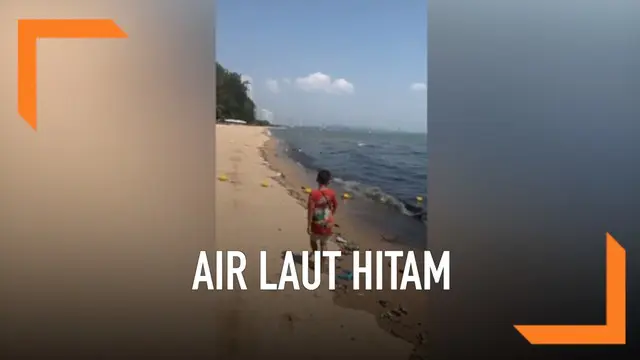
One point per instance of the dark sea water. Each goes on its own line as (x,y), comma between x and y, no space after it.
(386,172)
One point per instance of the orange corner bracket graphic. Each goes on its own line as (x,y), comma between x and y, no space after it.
(613,332)
(31,30)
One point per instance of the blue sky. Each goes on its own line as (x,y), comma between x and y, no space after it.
(334,62)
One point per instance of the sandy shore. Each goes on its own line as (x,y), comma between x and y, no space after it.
(319,324)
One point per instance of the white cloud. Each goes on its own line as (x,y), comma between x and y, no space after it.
(273,85)
(286,81)
(322,82)
(418,87)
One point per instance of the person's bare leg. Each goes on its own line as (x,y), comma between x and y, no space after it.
(323,248)
(314,249)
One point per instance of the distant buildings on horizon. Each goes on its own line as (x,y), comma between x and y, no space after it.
(259,113)
(264,114)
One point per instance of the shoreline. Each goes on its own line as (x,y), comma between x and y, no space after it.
(399,313)
(379,198)
(253,213)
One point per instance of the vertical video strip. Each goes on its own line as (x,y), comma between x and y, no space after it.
(306,115)
(107,201)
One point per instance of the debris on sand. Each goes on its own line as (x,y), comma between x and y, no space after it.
(353,247)
(345,245)
(341,240)
(389,315)
(403,310)
(393,313)
(346,275)
(350,247)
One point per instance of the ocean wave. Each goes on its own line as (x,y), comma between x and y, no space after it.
(389,168)
(378,195)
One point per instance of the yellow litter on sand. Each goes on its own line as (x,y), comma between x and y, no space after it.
(307,190)
(223,178)
(265,184)
(419,198)
(346,196)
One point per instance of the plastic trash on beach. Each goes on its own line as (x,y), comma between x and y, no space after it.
(351,247)
(419,198)
(223,178)
(346,275)
(346,196)
(345,244)
(265,183)
(341,240)
(307,190)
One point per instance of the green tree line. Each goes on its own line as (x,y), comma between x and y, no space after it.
(232,101)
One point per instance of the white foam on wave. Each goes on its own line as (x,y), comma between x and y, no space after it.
(374,193)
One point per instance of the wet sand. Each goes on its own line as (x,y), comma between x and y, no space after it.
(251,217)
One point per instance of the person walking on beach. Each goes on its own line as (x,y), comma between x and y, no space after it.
(321,208)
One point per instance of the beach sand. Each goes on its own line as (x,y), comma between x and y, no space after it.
(317,324)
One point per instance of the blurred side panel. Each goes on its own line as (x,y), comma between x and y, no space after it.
(533,158)
(104,208)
